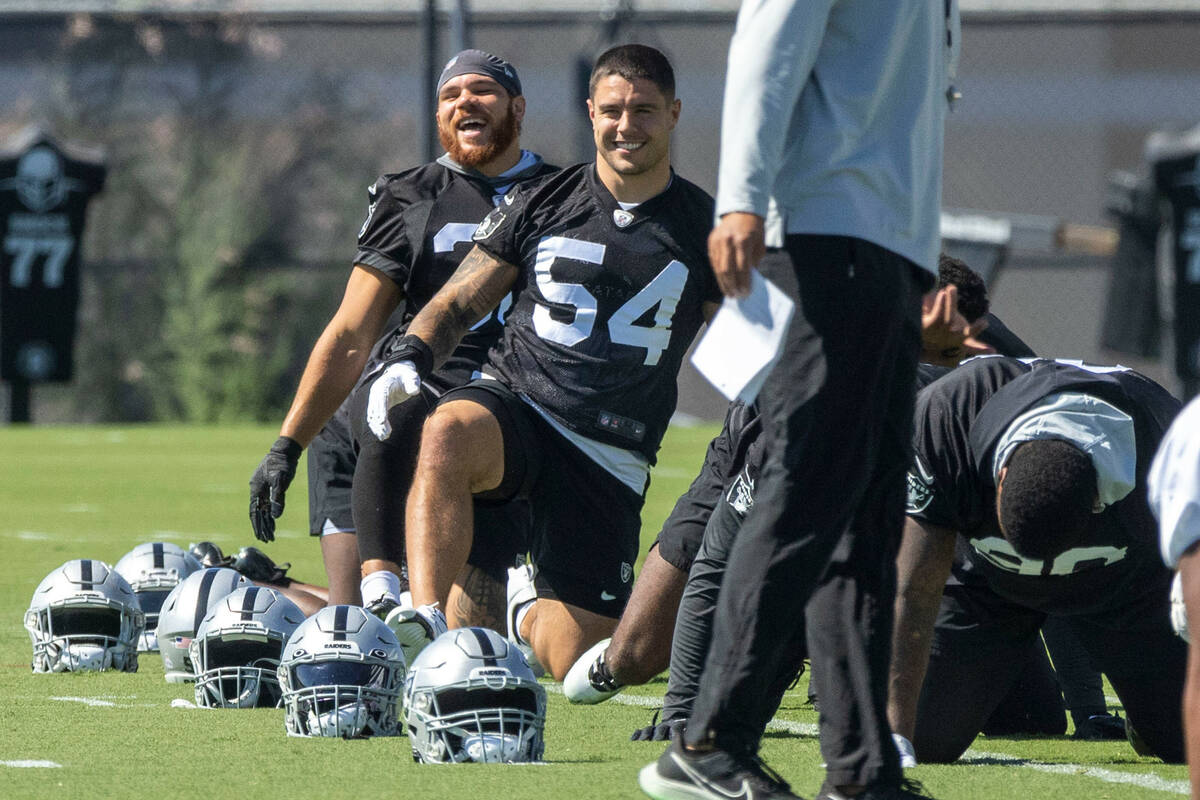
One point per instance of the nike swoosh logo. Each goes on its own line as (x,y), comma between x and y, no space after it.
(746,793)
(605,596)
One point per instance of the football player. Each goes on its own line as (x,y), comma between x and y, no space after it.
(613,282)
(642,643)
(1034,472)
(417,229)
(1174,487)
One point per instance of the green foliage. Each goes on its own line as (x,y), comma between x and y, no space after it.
(218,249)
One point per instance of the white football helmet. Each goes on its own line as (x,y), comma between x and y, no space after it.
(182,612)
(83,617)
(470,696)
(153,570)
(341,674)
(237,648)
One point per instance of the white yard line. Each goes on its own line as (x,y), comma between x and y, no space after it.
(1142,780)
(30,764)
(98,702)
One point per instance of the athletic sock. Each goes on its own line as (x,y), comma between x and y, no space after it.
(520,620)
(380,585)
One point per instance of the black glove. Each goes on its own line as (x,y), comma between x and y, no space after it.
(662,732)
(256,565)
(269,483)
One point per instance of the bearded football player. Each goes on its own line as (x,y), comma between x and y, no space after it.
(418,228)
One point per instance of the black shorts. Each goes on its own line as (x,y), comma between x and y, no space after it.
(586,522)
(331,459)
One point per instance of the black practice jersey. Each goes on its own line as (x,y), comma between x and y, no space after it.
(418,229)
(960,419)
(607,303)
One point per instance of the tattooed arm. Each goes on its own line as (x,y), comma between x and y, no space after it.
(476,287)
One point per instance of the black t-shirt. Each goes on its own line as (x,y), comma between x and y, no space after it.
(607,303)
(418,229)
(960,419)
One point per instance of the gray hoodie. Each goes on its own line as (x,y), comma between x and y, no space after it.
(833,119)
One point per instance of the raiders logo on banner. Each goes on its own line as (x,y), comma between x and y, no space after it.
(44,191)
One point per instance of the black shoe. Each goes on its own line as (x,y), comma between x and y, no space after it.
(258,566)
(209,554)
(1098,727)
(715,774)
(906,790)
(381,607)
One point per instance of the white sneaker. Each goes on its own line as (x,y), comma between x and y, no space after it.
(589,681)
(520,592)
(416,627)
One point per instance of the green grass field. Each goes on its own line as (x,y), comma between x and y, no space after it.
(96,492)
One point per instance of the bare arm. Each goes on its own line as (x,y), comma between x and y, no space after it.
(922,566)
(736,245)
(341,352)
(475,288)
(1189,569)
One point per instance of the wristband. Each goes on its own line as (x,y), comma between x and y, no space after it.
(411,348)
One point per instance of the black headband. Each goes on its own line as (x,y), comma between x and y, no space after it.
(477,62)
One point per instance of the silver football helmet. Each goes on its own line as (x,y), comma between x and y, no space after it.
(470,696)
(153,569)
(182,612)
(237,648)
(84,616)
(341,674)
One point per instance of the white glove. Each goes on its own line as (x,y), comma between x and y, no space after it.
(908,755)
(395,384)
(1179,620)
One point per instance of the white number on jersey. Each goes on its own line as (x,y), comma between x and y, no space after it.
(573,294)
(664,290)
(453,233)
(999,553)
(26,249)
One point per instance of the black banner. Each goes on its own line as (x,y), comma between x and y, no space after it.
(44,192)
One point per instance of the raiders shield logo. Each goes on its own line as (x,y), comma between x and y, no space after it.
(626,572)
(489,225)
(920,487)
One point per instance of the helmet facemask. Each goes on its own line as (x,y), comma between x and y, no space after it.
(342,697)
(84,633)
(236,670)
(488,718)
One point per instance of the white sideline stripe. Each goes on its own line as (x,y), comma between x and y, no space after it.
(788,726)
(1144,781)
(1141,780)
(32,536)
(96,701)
(31,764)
(87,701)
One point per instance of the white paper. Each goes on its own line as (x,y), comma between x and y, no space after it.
(744,340)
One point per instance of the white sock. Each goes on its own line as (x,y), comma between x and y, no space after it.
(380,585)
(519,618)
